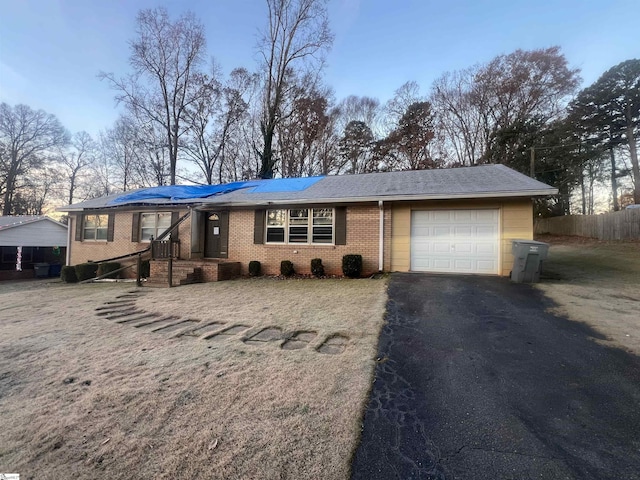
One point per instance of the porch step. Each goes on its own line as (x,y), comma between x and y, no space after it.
(182,275)
(185,272)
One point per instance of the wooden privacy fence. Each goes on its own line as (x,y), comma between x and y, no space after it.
(622,225)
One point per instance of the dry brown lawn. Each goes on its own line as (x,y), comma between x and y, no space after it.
(597,283)
(85,397)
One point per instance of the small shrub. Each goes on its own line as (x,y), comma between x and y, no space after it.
(352,266)
(255,268)
(105,268)
(286,268)
(68,274)
(317,269)
(85,271)
(145,269)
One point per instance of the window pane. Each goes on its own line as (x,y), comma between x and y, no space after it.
(298,234)
(102,220)
(275,235)
(164,220)
(89,234)
(148,220)
(322,234)
(322,216)
(101,234)
(147,233)
(276,218)
(299,217)
(90,221)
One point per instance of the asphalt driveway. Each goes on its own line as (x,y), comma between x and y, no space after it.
(476,381)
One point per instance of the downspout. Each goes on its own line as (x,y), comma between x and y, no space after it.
(68,256)
(381,235)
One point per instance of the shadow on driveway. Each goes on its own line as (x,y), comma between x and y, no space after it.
(476,381)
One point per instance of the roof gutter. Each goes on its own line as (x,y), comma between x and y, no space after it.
(390,198)
(202,204)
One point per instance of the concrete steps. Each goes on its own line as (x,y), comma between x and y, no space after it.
(181,275)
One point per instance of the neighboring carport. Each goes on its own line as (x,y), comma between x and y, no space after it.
(476,381)
(29,242)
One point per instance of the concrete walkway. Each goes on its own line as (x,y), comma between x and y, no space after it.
(476,381)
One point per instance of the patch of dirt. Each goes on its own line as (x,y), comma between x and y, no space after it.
(155,405)
(597,283)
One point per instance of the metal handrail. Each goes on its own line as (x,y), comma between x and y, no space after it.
(148,249)
(144,251)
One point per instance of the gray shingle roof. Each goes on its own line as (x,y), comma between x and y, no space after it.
(15,220)
(467,182)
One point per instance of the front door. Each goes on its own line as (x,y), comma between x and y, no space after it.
(216,235)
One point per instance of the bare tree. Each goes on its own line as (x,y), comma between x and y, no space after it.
(214,119)
(407,147)
(360,109)
(300,131)
(495,112)
(27,139)
(296,38)
(75,163)
(457,116)
(166,81)
(403,97)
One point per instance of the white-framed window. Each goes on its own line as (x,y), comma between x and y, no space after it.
(300,226)
(154,225)
(95,227)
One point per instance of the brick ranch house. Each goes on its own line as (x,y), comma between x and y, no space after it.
(458,220)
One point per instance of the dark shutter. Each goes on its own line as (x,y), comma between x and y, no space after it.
(110,225)
(135,228)
(224,234)
(341,226)
(175,216)
(79,221)
(258,227)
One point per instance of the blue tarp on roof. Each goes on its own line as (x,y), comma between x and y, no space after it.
(186,192)
(285,185)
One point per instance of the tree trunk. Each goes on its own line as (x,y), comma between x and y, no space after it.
(584,200)
(614,180)
(635,168)
(10,187)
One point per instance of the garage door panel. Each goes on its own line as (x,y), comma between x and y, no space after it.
(455,241)
(443,264)
(464,216)
(460,231)
(439,247)
(440,216)
(486,215)
(440,231)
(486,249)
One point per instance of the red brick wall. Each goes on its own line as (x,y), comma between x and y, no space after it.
(362,238)
(90,250)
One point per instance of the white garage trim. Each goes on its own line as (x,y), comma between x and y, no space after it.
(456,241)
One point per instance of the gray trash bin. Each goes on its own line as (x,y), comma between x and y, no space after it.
(527,262)
(42,269)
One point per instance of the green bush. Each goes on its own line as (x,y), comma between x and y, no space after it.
(145,269)
(317,269)
(286,268)
(68,274)
(108,267)
(85,271)
(352,266)
(255,268)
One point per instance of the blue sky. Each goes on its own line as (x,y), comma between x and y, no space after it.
(52,50)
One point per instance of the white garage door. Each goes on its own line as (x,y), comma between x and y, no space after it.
(455,241)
